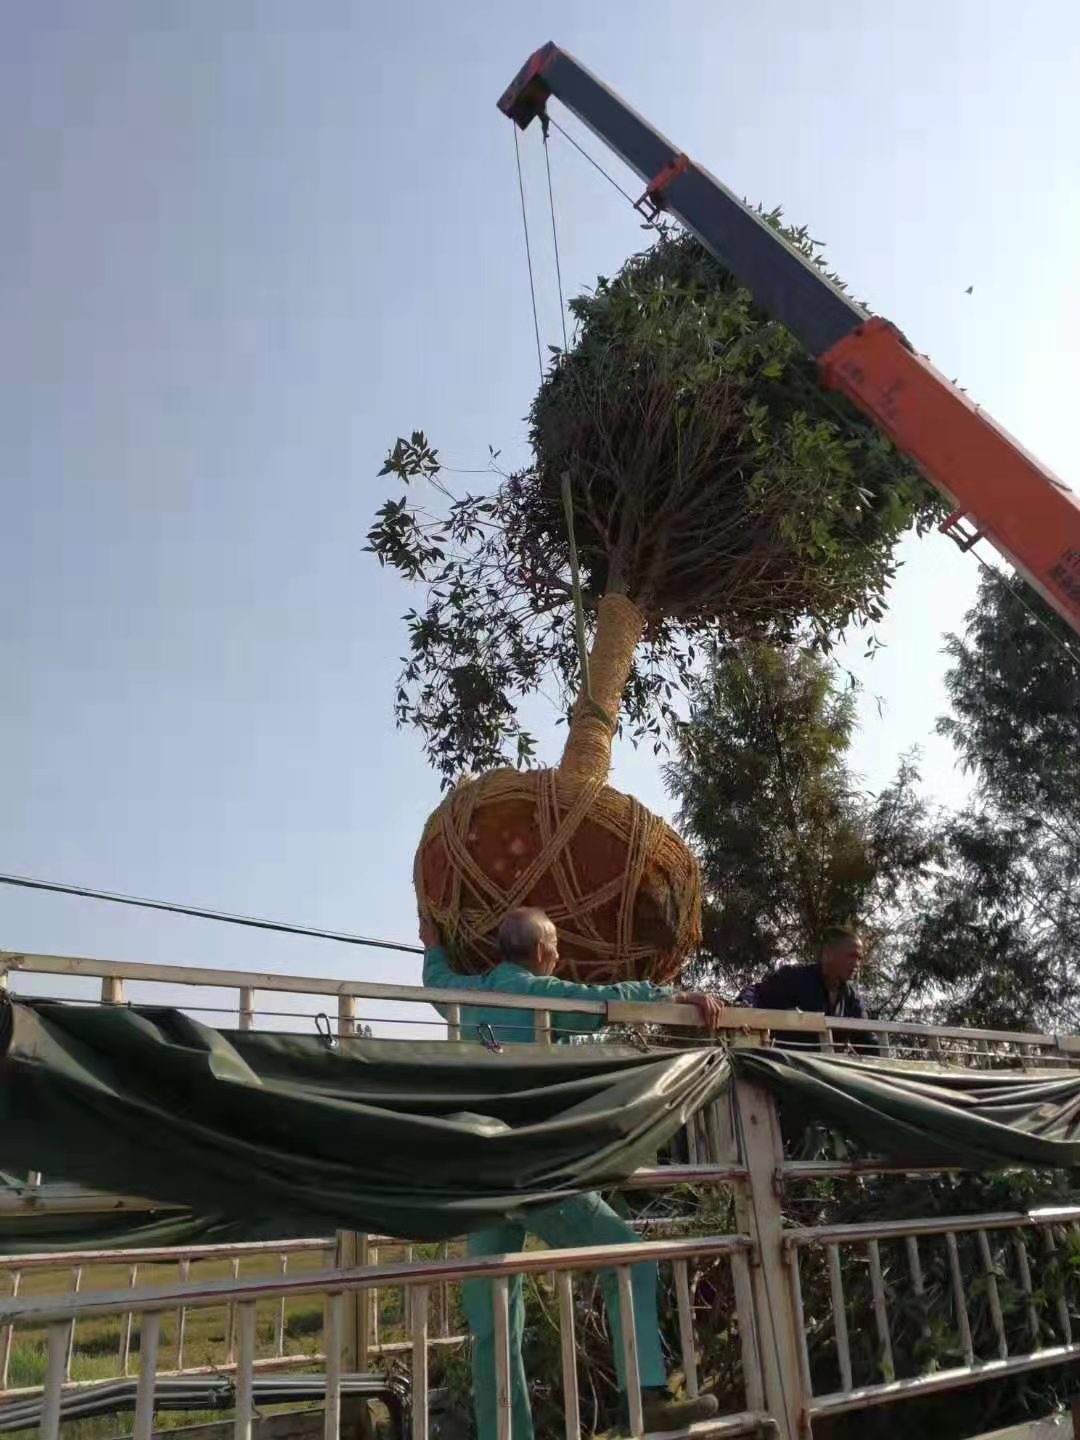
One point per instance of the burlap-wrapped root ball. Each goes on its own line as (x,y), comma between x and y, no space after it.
(622,888)
(620,885)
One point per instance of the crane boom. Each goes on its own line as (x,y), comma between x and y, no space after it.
(997,490)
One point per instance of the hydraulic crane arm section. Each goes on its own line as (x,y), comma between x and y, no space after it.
(1003,493)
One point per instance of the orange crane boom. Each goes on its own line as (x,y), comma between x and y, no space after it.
(997,490)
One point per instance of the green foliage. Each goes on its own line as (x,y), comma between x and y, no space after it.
(789,843)
(1000,936)
(714,482)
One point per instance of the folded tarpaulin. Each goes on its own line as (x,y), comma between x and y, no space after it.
(247,1136)
(976,1119)
(420,1140)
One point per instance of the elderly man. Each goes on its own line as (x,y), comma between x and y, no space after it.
(529,953)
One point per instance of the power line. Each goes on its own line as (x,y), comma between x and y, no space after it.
(252,922)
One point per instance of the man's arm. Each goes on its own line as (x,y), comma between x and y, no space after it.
(771,992)
(439,975)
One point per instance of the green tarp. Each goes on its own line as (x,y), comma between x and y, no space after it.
(976,1119)
(420,1140)
(246,1135)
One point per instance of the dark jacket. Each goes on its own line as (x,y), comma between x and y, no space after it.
(801,987)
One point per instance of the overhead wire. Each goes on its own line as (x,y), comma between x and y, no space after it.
(225,917)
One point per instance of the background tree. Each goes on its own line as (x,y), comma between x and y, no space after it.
(999,944)
(788,841)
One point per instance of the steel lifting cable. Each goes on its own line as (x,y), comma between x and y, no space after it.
(528,256)
(555,235)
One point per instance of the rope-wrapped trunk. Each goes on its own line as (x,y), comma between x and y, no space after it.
(594,720)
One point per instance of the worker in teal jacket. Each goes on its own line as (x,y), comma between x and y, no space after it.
(528,947)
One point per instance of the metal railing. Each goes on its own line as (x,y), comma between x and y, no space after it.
(124,982)
(60,1314)
(800,1358)
(936,1269)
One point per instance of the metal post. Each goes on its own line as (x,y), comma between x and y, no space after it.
(245,1372)
(453,1022)
(181,1315)
(759,1215)
(76,1286)
(247,1008)
(418,1307)
(571,1406)
(334,1324)
(686,1328)
(112,991)
(149,1334)
(542,1027)
(500,1287)
(54,1379)
(7,1335)
(353,1249)
(346,1015)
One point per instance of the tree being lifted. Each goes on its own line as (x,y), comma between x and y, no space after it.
(716,492)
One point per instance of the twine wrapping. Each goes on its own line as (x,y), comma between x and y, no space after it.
(472,899)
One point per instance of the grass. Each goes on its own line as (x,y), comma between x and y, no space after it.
(100,1342)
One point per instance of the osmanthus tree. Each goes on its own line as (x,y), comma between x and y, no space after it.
(712,483)
(685,458)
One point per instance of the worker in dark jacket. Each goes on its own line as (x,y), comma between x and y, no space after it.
(823,988)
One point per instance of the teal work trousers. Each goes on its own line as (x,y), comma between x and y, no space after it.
(582,1220)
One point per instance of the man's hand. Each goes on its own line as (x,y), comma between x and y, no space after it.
(430,936)
(709,1008)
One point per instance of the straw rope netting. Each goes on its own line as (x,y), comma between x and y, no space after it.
(621,887)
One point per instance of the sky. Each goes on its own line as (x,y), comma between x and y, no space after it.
(247,245)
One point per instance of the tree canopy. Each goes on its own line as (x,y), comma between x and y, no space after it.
(999,943)
(713,482)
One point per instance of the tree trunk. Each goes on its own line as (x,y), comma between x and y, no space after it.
(619,627)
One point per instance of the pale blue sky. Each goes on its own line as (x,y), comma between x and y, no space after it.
(247,244)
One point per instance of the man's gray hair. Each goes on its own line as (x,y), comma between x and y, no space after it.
(521,932)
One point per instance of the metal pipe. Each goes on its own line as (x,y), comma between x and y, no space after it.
(335,1319)
(245,1394)
(166,1254)
(419,1321)
(881,1313)
(247,1007)
(958,1378)
(630,1350)
(54,1379)
(149,1335)
(500,1299)
(992,1295)
(939,1225)
(43,1308)
(686,1327)
(963,1324)
(839,1309)
(564,1287)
